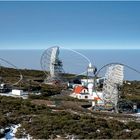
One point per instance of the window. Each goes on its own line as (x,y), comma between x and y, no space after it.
(86,97)
(84,91)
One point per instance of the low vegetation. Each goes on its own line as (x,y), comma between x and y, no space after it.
(131,91)
(42,122)
(67,121)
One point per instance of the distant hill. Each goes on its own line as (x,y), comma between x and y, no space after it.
(33,80)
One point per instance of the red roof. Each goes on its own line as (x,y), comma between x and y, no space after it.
(97,98)
(78,89)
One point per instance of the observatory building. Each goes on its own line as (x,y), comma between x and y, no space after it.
(109,95)
(87,93)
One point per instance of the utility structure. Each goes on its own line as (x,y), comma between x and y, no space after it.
(113,80)
(91,70)
(51,64)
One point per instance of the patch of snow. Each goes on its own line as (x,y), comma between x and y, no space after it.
(129,83)
(12,132)
(58,136)
(24,96)
(1,130)
(136,114)
(71,137)
(98,130)
(127,130)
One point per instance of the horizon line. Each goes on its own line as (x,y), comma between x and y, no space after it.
(71,48)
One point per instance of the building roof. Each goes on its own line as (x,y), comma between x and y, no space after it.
(97,98)
(78,89)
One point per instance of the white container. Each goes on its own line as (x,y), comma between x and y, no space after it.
(17,92)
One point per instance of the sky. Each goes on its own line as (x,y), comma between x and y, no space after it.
(70,24)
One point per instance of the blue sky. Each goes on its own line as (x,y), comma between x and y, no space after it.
(79,25)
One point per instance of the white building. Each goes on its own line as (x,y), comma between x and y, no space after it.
(17,92)
(82,92)
(86,81)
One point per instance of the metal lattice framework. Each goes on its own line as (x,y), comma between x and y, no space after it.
(111,91)
(51,64)
(20,75)
(113,80)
